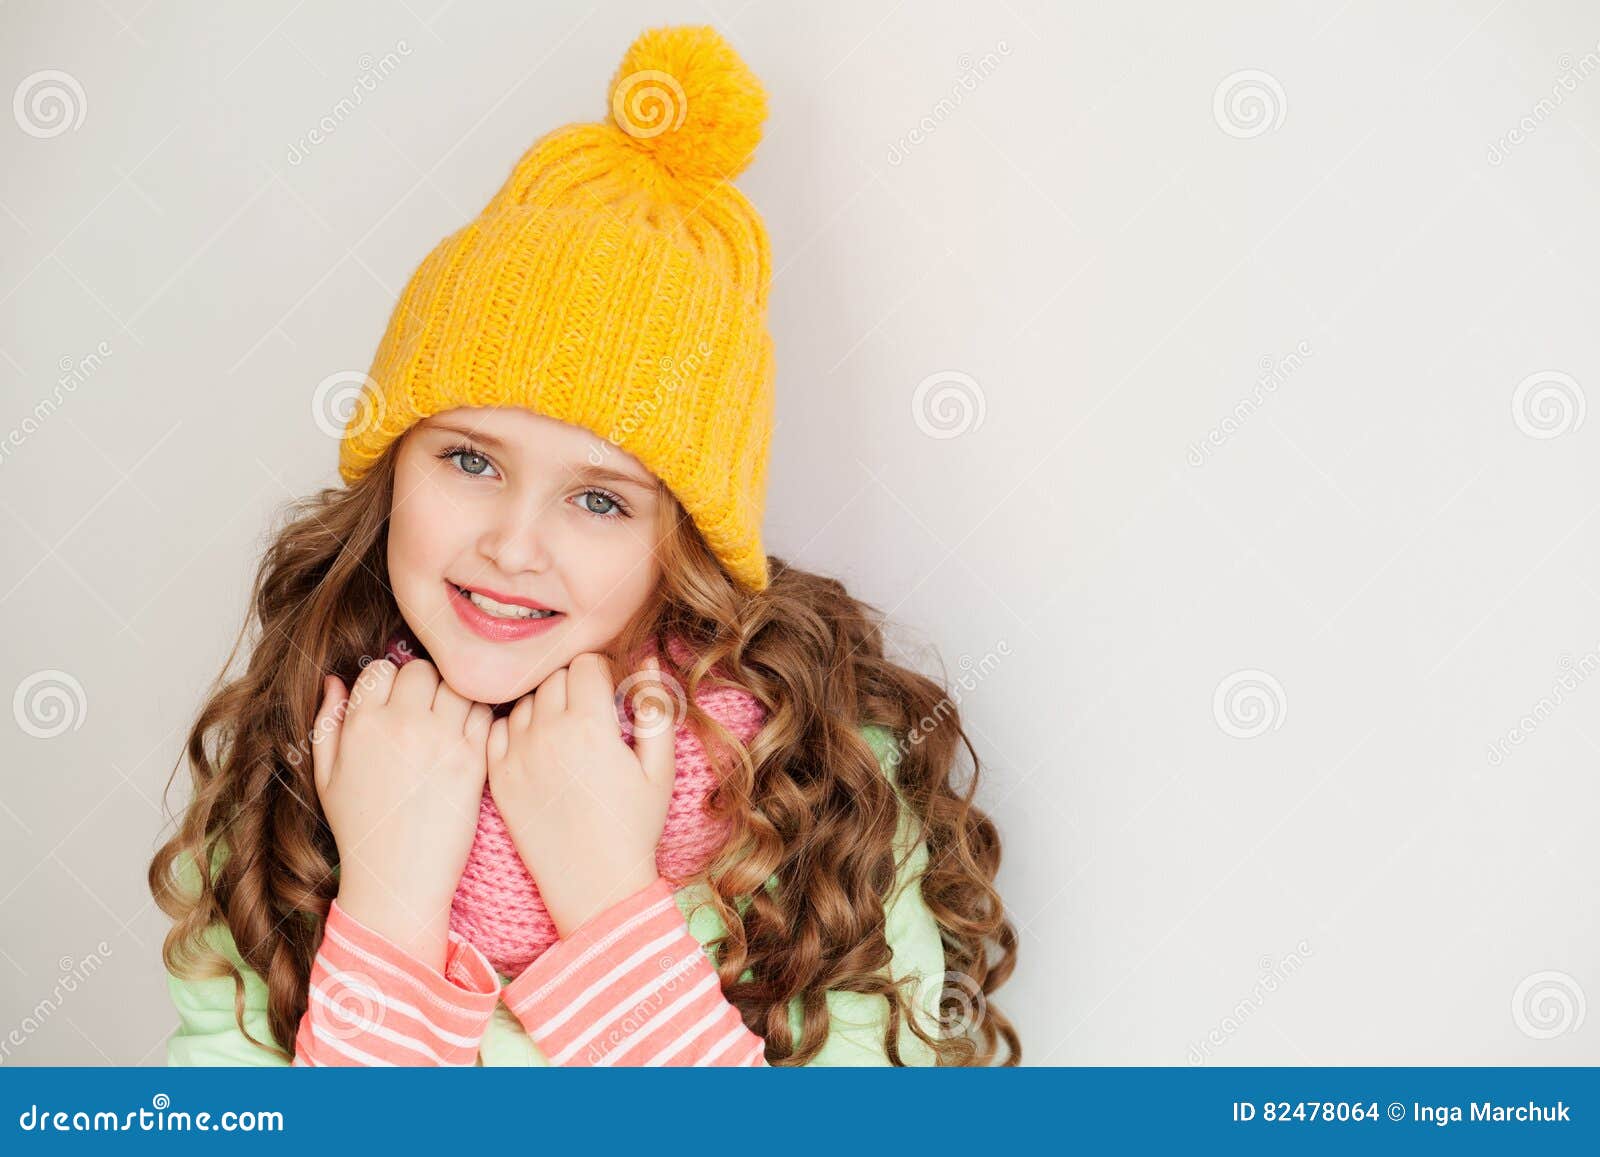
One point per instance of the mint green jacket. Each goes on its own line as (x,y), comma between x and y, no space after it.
(208,1034)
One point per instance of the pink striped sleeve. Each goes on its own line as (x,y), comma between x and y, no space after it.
(632,986)
(373,1003)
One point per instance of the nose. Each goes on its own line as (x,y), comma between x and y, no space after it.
(516,539)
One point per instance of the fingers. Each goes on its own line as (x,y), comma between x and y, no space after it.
(590,688)
(654,733)
(372,686)
(451,706)
(476,727)
(415,686)
(325,731)
(549,698)
(521,713)
(499,739)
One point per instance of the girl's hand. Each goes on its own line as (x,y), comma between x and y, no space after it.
(400,764)
(584,810)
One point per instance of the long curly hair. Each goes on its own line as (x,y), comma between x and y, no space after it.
(807,799)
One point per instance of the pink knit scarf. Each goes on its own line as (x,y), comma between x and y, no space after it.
(497,904)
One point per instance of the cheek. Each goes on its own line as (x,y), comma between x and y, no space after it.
(422,528)
(621,571)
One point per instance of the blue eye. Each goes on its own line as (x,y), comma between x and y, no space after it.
(475,462)
(618,510)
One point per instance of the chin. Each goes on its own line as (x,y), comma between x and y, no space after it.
(492,682)
(481,690)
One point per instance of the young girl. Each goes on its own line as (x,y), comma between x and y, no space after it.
(538,757)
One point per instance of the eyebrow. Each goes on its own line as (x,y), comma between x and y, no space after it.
(586,470)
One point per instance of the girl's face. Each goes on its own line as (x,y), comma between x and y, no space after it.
(523,509)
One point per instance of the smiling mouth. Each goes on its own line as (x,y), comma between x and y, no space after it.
(510,612)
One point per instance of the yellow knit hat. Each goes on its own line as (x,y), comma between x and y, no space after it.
(618,281)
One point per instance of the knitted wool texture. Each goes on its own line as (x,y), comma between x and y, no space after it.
(618,282)
(497,905)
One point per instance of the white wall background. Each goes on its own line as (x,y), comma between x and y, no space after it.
(1398,545)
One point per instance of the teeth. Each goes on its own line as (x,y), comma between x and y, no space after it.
(505,610)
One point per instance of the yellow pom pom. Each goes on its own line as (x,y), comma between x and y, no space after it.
(683,95)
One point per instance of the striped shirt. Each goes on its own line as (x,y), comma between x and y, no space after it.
(632,986)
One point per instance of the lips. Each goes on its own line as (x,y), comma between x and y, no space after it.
(512,600)
(498,630)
